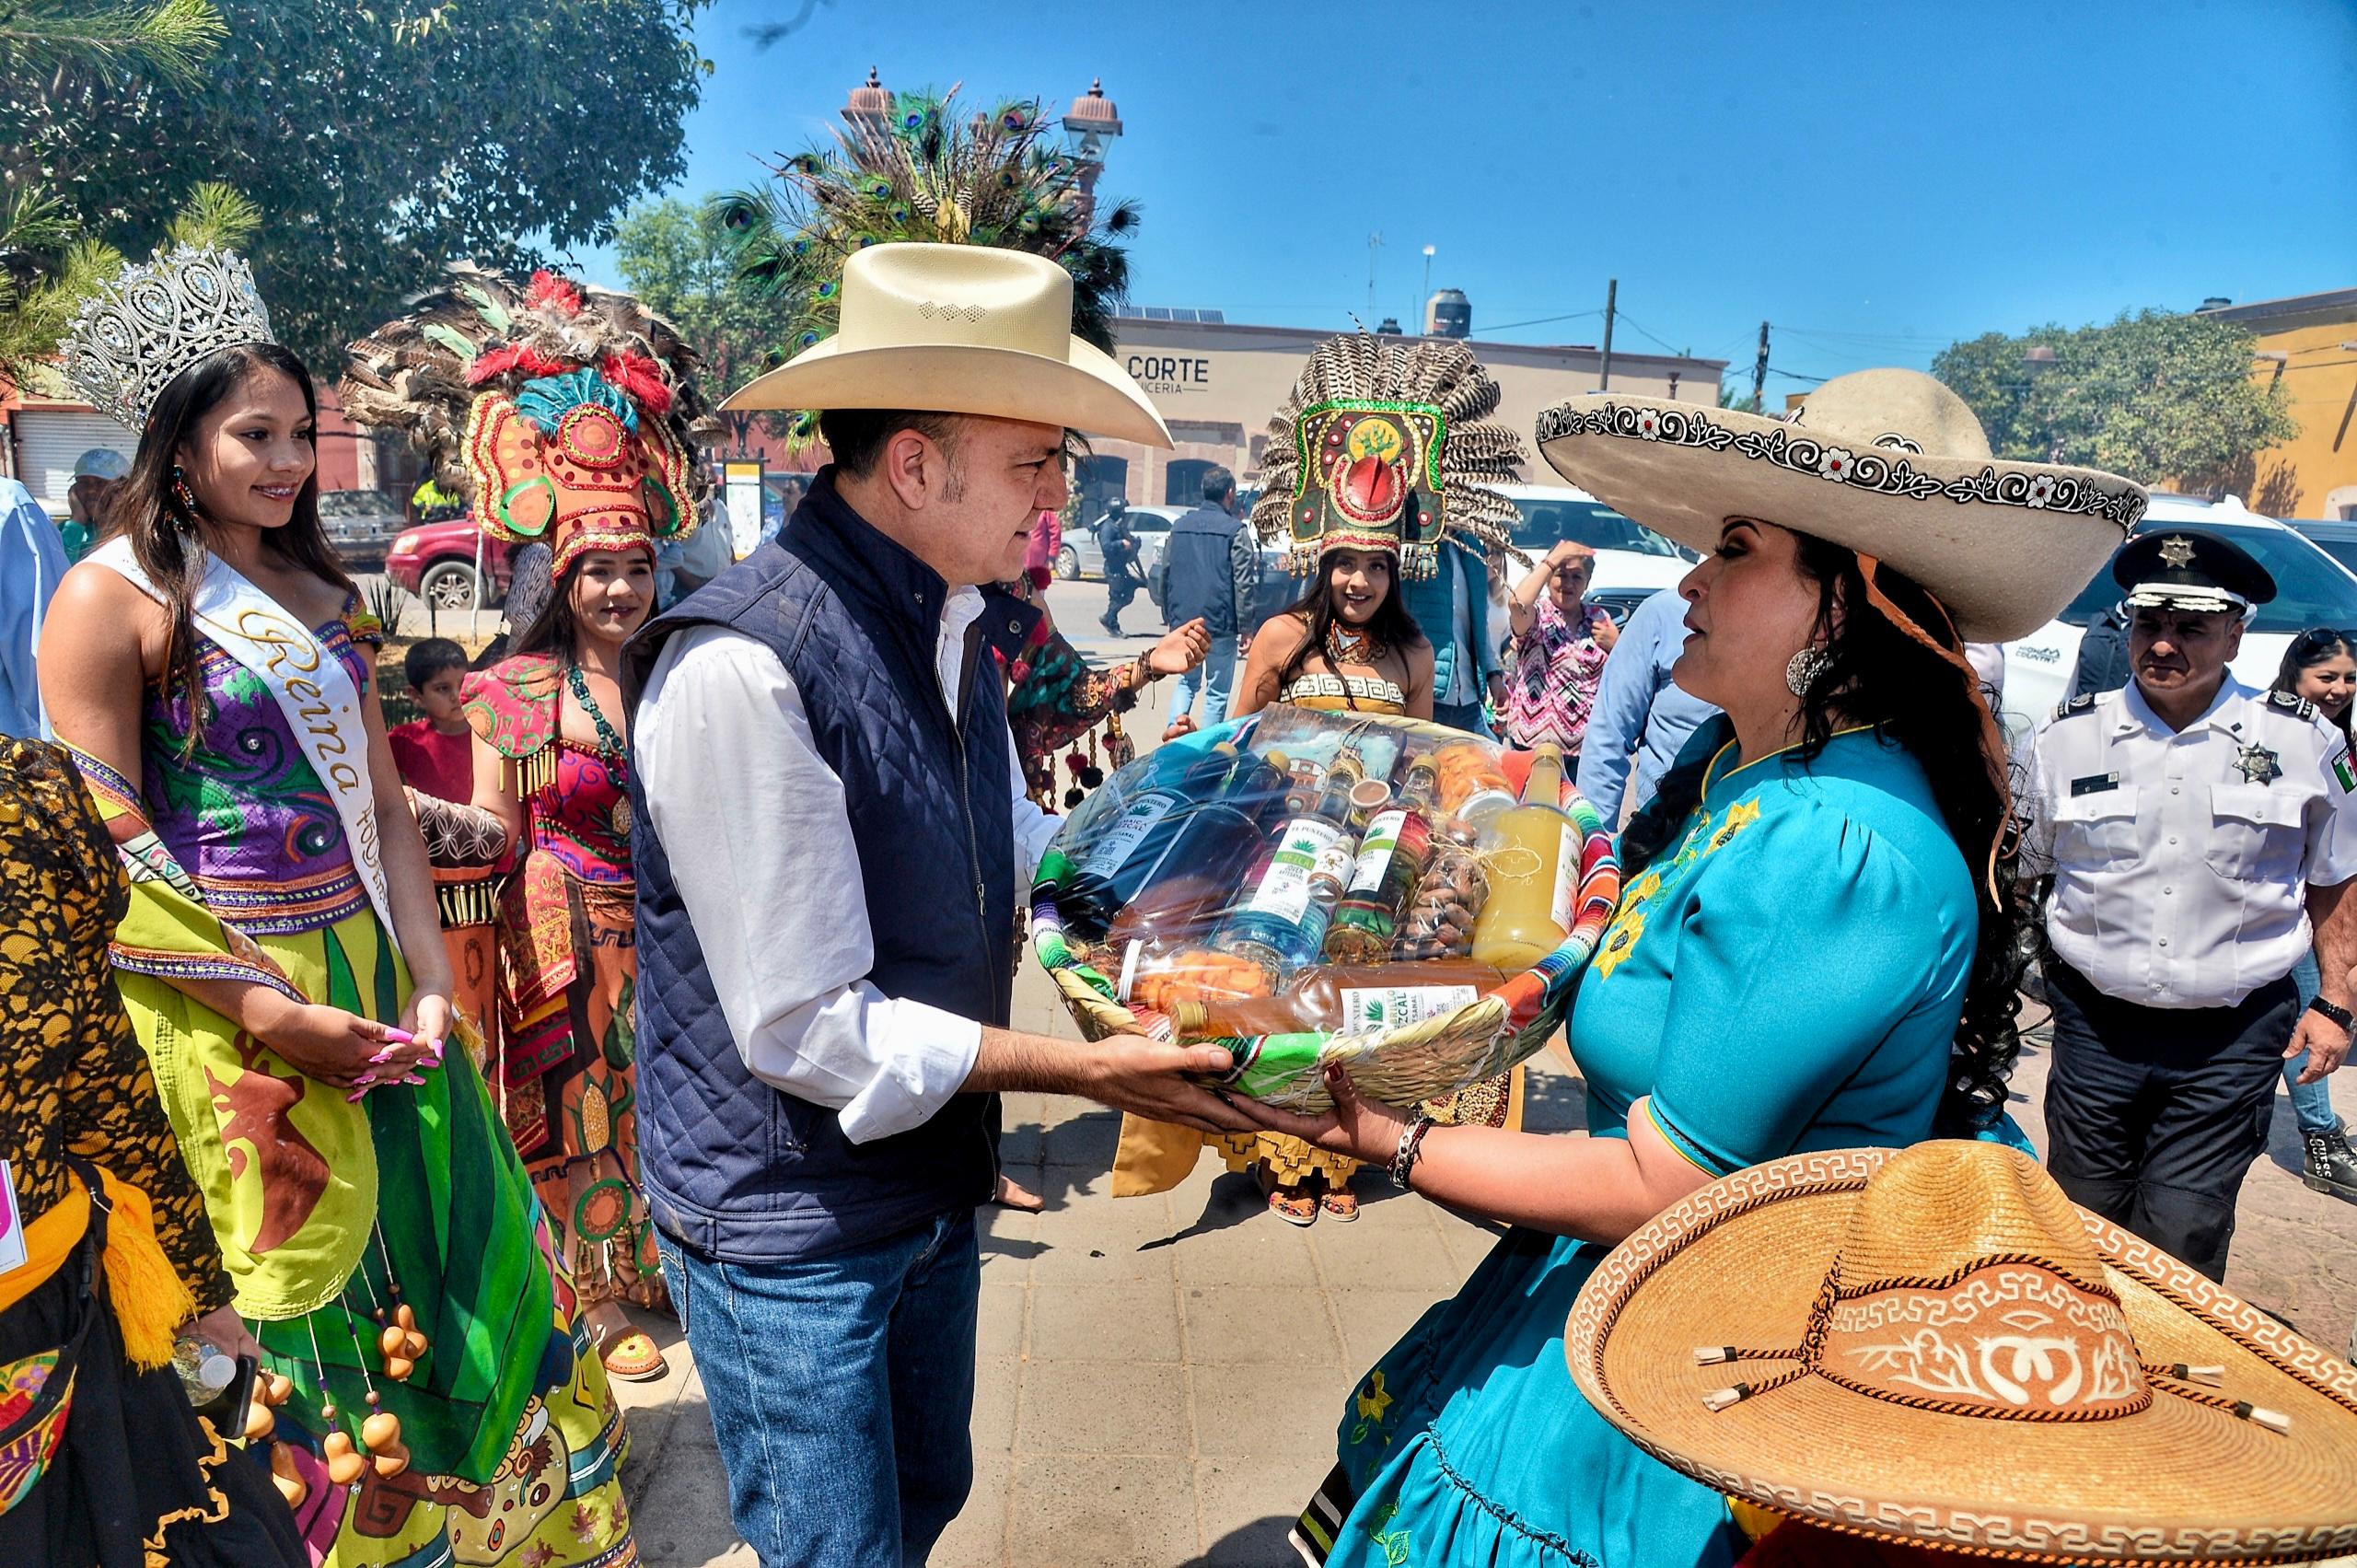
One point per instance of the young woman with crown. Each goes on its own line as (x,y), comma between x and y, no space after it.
(568,416)
(426,1389)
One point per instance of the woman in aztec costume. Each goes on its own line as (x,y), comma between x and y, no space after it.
(433,1397)
(1381,450)
(567,415)
(932,174)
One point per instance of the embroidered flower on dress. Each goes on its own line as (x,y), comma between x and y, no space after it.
(1377,1398)
(1620,942)
(1833,464)
(1738,818)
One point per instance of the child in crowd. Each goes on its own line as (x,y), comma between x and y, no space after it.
(436,754)
(1558,651)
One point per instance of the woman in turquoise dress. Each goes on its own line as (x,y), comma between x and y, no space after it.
(1818,948)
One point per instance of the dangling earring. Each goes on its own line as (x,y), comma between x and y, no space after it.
(1805,666)
(183,493)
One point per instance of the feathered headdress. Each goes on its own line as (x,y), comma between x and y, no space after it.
(1387,445)
(931,175)
(564,413)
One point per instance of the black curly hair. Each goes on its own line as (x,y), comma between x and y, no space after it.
(1877,674)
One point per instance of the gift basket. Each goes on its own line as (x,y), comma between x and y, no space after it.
(1307,887)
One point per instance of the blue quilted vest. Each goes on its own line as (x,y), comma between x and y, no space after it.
(738,1169)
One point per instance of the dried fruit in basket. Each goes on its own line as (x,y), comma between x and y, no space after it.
(1195,976)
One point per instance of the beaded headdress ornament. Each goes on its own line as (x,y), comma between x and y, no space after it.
(567,415)
(154,320)
(1387,445)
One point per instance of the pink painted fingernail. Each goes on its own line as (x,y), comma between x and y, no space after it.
(413,1078)
(381,1057)
(353,1097)
(399,1037)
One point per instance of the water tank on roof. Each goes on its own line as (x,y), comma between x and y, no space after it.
(1448,314)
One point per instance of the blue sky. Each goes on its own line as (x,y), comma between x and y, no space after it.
(1874,179)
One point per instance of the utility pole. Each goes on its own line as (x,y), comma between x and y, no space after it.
(1423,306)
(1611,295)
(1374,242)
(1759,374)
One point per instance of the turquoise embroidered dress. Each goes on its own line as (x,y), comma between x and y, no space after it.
(1788,977)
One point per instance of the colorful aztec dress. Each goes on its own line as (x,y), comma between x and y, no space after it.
(329,1212)
(1788,977)
(568,963)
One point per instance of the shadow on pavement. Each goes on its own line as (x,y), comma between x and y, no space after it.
(1261,1543)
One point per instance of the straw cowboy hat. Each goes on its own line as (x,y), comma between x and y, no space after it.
(960,329)
(1933,1346)
(1889,463)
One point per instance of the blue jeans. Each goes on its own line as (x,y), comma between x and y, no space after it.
(1465,716)
(1213,677)
(2311,1103)
(842,1390)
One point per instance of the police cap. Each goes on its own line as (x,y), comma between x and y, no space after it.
(2182,568)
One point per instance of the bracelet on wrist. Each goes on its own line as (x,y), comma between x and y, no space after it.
(1412,1144)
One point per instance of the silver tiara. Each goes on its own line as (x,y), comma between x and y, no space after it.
(155,320)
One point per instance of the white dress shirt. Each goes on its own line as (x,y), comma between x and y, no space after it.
(2181,859)
(761,851)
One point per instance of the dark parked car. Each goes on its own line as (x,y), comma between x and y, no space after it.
(362,525)
(437,563)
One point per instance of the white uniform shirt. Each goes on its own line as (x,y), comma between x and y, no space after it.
(2181,866)
(762,854)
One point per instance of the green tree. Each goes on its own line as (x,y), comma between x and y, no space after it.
(381,140)
(680,259)
(46,261)
(2160,397)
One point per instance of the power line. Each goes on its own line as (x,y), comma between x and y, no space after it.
(1541,321)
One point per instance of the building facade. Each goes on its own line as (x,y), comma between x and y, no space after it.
(2307,344)
(1217,384)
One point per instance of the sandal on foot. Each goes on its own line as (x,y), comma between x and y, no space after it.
(1295,1205)
(633,1357)
(1341,1202)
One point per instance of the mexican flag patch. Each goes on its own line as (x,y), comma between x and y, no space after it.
(2345,772)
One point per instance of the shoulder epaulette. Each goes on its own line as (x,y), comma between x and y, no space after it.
(2290,703)
(2083,703)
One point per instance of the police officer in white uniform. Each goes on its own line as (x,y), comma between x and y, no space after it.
(2200,835)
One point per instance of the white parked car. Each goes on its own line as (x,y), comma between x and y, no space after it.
(1632,563)
(2311,590)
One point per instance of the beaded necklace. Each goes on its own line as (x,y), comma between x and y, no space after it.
(610,745)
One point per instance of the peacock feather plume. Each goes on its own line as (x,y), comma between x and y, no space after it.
(931,172)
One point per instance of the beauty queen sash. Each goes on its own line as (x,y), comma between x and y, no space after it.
(311,686)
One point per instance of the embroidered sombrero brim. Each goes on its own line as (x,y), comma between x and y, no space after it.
(1742,1261)
(2002,545)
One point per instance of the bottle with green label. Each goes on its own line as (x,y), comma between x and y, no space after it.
(1392,857)
(1281,916)
(1343,999)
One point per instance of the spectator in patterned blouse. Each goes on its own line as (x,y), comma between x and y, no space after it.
(1558,650)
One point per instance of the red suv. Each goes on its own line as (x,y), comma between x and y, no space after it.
(436,561)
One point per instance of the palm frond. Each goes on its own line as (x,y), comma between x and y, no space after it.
(167,38)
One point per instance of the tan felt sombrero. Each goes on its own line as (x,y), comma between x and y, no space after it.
(1933,1346)
(960,329)
(1889,463)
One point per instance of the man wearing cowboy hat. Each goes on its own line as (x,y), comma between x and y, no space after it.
(2201,836)
(830,832)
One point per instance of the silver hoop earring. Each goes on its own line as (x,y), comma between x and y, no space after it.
(1805,666)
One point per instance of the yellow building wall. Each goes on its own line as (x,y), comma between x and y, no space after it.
(2315,473)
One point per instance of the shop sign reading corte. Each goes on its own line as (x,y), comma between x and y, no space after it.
(1168,374)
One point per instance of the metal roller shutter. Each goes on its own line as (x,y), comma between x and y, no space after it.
(50,440)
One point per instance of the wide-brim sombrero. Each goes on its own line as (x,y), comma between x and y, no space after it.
(2202,1472)
(1889,463)
(960,329)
